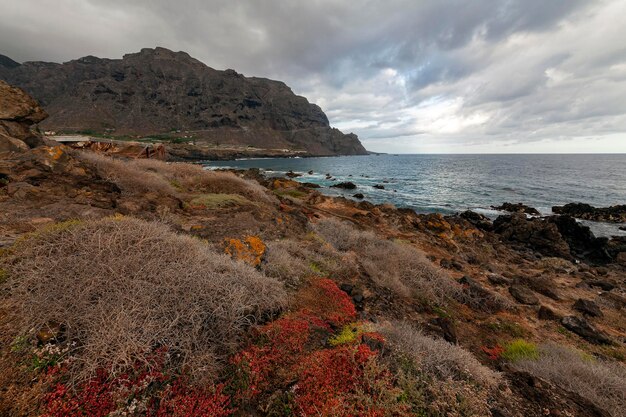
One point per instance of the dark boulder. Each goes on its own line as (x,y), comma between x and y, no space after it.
(535,233)
(516,208)
(379,187)
(546,313)
(347,185)
(542,398)
(360,196)
(292,174)
(478,220)
(614,214)
(523,295)
(588,307)
(581,240)
(584,329)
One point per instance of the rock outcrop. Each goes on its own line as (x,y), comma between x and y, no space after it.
(18,111)
(537,234)
(161,92)
(614,214)
(517,208)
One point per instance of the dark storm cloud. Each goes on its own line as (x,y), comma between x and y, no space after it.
(476,71)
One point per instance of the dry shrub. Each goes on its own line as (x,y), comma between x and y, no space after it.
(601,382)
(438,358)
(123,287)
(292,261)
(194,178)
(281,264)
(438,378)
(137,176)
(127,175)
(397,266)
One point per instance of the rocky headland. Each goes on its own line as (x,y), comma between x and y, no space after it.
(140,287)
(172,97)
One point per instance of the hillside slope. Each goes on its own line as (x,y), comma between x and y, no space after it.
(158,91)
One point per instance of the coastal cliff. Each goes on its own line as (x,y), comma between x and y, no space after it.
(172,96)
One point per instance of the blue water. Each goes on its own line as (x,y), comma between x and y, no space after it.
(453,183)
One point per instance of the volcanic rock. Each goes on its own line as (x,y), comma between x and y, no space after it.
(477,219)
(588,307)
(581,240)
(535,233)
(615,214)
(345,185)
(546,313)
(523,295)
(581,327)
(516,208)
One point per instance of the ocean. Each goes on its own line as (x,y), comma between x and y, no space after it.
(453,183)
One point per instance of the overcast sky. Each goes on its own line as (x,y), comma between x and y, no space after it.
(405,75)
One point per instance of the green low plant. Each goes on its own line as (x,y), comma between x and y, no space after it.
(520,349)
(348,334)
(213,201)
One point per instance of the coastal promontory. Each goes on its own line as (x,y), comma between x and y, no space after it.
(173,97)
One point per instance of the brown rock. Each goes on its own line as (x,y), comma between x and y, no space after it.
(9,144)
(581,327)
(546,313)
(523,295)
(16,105)
(588,307)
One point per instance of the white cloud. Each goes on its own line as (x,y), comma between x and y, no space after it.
(408,75)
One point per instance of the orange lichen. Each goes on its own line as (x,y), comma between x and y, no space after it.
(283,183)
(250,250)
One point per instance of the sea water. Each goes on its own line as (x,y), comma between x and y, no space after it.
(453,183)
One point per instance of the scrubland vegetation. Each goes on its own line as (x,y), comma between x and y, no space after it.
(122,287)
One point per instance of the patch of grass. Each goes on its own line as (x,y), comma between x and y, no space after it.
(3,275)
(214,201)
(509,328)
(520,349)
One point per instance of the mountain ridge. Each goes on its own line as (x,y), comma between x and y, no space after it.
(159,91)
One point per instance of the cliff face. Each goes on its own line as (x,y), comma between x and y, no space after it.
(160,91)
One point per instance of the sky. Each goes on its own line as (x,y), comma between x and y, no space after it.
(407,76)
